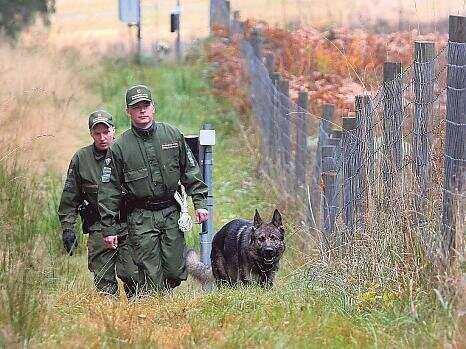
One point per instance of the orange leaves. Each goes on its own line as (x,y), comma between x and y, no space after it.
(334,66)
(227,77)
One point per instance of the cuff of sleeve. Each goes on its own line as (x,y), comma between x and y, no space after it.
(67,226)
(109,232)
(200,203)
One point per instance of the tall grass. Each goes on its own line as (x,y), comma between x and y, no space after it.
(47,298)
(40,108)
(22,259)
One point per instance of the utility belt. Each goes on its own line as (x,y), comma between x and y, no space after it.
(153,205)
(89,215)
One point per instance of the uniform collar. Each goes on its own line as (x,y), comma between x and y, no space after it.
(144,132)
(98,154)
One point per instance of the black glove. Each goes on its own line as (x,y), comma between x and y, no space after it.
(69,241)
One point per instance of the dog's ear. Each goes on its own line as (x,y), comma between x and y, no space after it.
(252,237)
(277,219)
(257,220)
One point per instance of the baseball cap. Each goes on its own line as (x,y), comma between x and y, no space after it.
(100,117)
(136,94)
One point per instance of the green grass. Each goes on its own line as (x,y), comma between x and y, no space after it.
(47,298)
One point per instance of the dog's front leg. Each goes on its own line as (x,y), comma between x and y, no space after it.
(244,276)
(266,279)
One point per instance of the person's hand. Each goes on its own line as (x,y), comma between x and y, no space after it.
(201,215)
(111,242)
(69,241)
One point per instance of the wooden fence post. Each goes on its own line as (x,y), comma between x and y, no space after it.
(275,140)
(328,196)
(301,137)
(235,24)
(362,161)
(364,115)
(335,140)
(285,124)
(455,138)
(270,62)
(324,133)
(392,159)
(349,148)
(424,78)
(257,43)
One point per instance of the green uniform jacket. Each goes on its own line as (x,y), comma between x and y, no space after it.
(81,184)
(148,165)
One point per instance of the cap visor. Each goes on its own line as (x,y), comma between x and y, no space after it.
(101,122)
(139,100)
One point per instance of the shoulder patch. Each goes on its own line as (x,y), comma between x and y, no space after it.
(68,184)
(190,156)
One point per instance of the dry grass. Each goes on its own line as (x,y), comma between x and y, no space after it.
(93,27)
(41,119)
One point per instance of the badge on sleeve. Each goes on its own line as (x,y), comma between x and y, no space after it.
(69,180)
(190,157)
(106,172)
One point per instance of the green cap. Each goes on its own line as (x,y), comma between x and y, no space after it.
(136,94)
(100,117)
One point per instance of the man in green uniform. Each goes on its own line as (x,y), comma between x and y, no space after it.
(80,195)
(148,162)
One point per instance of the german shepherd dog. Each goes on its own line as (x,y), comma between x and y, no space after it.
(242,252)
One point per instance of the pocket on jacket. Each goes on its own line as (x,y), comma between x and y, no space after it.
(136,181)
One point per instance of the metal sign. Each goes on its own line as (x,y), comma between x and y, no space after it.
(129,11)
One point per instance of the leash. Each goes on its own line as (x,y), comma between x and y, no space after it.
(185,222)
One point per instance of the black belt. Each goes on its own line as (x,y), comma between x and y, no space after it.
(153,205)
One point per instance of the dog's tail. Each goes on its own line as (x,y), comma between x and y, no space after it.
(197,269)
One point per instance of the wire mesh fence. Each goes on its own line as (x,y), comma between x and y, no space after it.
(399,158)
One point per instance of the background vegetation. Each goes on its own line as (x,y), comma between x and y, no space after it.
(47,298)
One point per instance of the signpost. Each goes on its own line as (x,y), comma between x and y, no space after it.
(129,12)
(175,27)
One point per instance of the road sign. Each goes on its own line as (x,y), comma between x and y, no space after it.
(129,11)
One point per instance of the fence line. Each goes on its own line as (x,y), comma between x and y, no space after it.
(382,158)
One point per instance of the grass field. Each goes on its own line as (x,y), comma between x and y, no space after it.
(93,26)
(47,299)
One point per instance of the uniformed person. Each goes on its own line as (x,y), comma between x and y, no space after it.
(148,162)
(80,195)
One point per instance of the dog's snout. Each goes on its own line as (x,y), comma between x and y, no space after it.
(268,251)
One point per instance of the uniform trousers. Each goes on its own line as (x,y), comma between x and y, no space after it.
(106,264)
(158,246)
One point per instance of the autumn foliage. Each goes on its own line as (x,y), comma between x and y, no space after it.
(333,66)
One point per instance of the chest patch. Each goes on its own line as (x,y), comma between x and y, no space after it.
(106,172)
(170,146)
